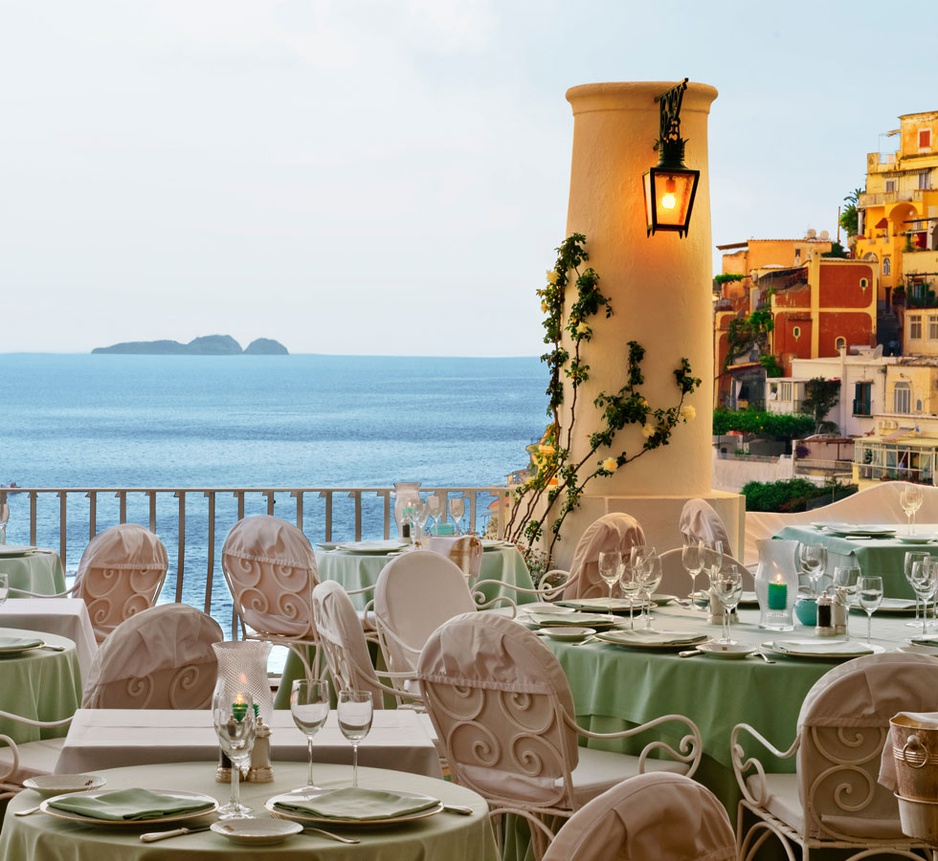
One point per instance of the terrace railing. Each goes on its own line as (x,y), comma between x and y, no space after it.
(193,521)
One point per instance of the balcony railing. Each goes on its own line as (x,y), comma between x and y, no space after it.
(193,521)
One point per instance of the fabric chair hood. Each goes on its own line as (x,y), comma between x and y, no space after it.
(700,522)
(616,531)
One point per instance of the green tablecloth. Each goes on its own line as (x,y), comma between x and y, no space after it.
(882,556)
(614,688)
(40,684)
(444,835)
(40,572)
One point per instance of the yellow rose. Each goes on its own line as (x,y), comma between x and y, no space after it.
(583,329)
(543,307)
(552,276)
(648,431)
(688,413)
(609,464)
(546,449)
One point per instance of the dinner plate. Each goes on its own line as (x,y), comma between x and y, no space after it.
(657,640)
(328,545)
(915,539)
(377,547)
(565,634)
(604,605)
(837,650)
(302,816)
(726,651)
(859,530)
(544,607)
(10,646)
(494,544)
(260,832)
(194,797)
(891,606)
(16,550)
(580,620)
(49,785)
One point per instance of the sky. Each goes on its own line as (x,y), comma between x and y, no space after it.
(389,177)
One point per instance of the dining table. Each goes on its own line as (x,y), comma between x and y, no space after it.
(875,548)
(32,569)
(42,682)
(442,834)
(67,617)
(109,738)
(615,687)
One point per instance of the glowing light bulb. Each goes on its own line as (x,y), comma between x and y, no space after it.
(668,199)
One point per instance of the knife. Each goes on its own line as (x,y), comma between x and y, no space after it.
(153,836)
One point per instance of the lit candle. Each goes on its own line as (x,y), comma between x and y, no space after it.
(778,594)
(239,708)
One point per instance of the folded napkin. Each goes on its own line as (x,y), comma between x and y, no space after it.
(579,619)
(654,638)
(928,640)
(358,804)
(19,643)
(130,805)
(607,604)
(820,647)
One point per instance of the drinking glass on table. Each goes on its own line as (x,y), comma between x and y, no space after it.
(727,585)
(610,565)
(911,500)
(630,583)
(846,578)
(911,557)
(435,509)
(649,579)
(418,519)
(924,580)
(309,705)
(355,711)
(457,508)
(813,563)
(711,557)
(693,565)
(233,716)
(869,597)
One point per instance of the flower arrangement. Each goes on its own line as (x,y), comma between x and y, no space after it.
(556,482)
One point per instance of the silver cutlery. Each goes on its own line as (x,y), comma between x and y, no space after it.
(457,808)
(52,648)
(331,836)
(764,657)
(27,811)
(689,653)
(153,836)
(590,639)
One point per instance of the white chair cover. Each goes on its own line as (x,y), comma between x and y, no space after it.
(700,522)
(616,531)
(414,594)
(121,572)
(652,817)
(502,707)
(464,550)
(161,658)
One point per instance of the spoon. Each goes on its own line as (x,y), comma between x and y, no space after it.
(764,657)
(27,811)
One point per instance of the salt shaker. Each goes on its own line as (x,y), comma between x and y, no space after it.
(260,771)
(839,614)
(825,620)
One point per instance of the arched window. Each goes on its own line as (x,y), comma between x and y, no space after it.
(864,284)
(887,266)
(840,344)
(796,332)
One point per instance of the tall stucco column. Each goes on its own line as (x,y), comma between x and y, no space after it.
(660,290)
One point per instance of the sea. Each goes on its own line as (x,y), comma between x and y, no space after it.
(125,421)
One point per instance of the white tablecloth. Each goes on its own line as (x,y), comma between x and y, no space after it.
(67,617)
(108,738)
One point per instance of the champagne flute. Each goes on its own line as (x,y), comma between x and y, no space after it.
(814,562)
(610,564)
(911,557)
(727,585)
(457,508)
(650,578)
(309,705)
(234,719)
(630,583)
(356,710)
(869,597)
(911,500)
(693,565)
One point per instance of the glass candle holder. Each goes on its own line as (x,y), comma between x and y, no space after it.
(777,584)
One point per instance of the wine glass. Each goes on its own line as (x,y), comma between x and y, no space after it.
(418,519)
(4,587)
(457,508)
(911,557)
(309,705)
(846,578)
(711,557)
(911,501)
(693,565)
(234,719)
(4,519)
(924,580)
(869,597)
(610,562)
(814,562)
(435,510)
(649,578)
(727,585)
(356,709)
(630,583)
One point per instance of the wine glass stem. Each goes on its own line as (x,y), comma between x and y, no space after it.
(235,786)
(309,776)
(355,764)
(869,627)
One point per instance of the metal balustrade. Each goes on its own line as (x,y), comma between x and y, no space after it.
(193,521)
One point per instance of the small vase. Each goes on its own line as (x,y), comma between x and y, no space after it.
(777,584)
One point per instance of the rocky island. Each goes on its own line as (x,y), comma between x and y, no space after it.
(207,345)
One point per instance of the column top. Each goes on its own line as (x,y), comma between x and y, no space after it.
(636,95)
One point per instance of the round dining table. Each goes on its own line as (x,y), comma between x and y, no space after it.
(32,569)
(42,684)
(42,837)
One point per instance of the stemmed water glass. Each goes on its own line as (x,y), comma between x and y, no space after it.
(911,500)
(356,709)
(418,519)
(435,510)
(869,597)
(457,508)
(924,580)
(309,705)
(630,583)
(727,585)
(649,574)
(845,580)
(610,565)
(693,565)
(814,562)
(911,557)
(711,557)
(235,725)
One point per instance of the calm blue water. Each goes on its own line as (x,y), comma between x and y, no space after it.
(255,421)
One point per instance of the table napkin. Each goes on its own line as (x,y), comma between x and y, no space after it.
(19,643)
(129,805)
(654,638)
(819,647)
(358,804)
(590,620)
(608,605)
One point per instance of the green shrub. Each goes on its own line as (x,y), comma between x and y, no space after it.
(790,495)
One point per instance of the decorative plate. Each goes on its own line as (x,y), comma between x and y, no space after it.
(727,651)
(657,640)
(565,634)
(301,816)
(211,805)
(809,650)
(49,785)
(260,832)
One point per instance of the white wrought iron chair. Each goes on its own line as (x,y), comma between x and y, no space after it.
(833,800)
(700,522)
(502,707)
(161,658)
(676,581)
(414,594)
(22,760)
(121,572)
(652,817)
(270,568)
